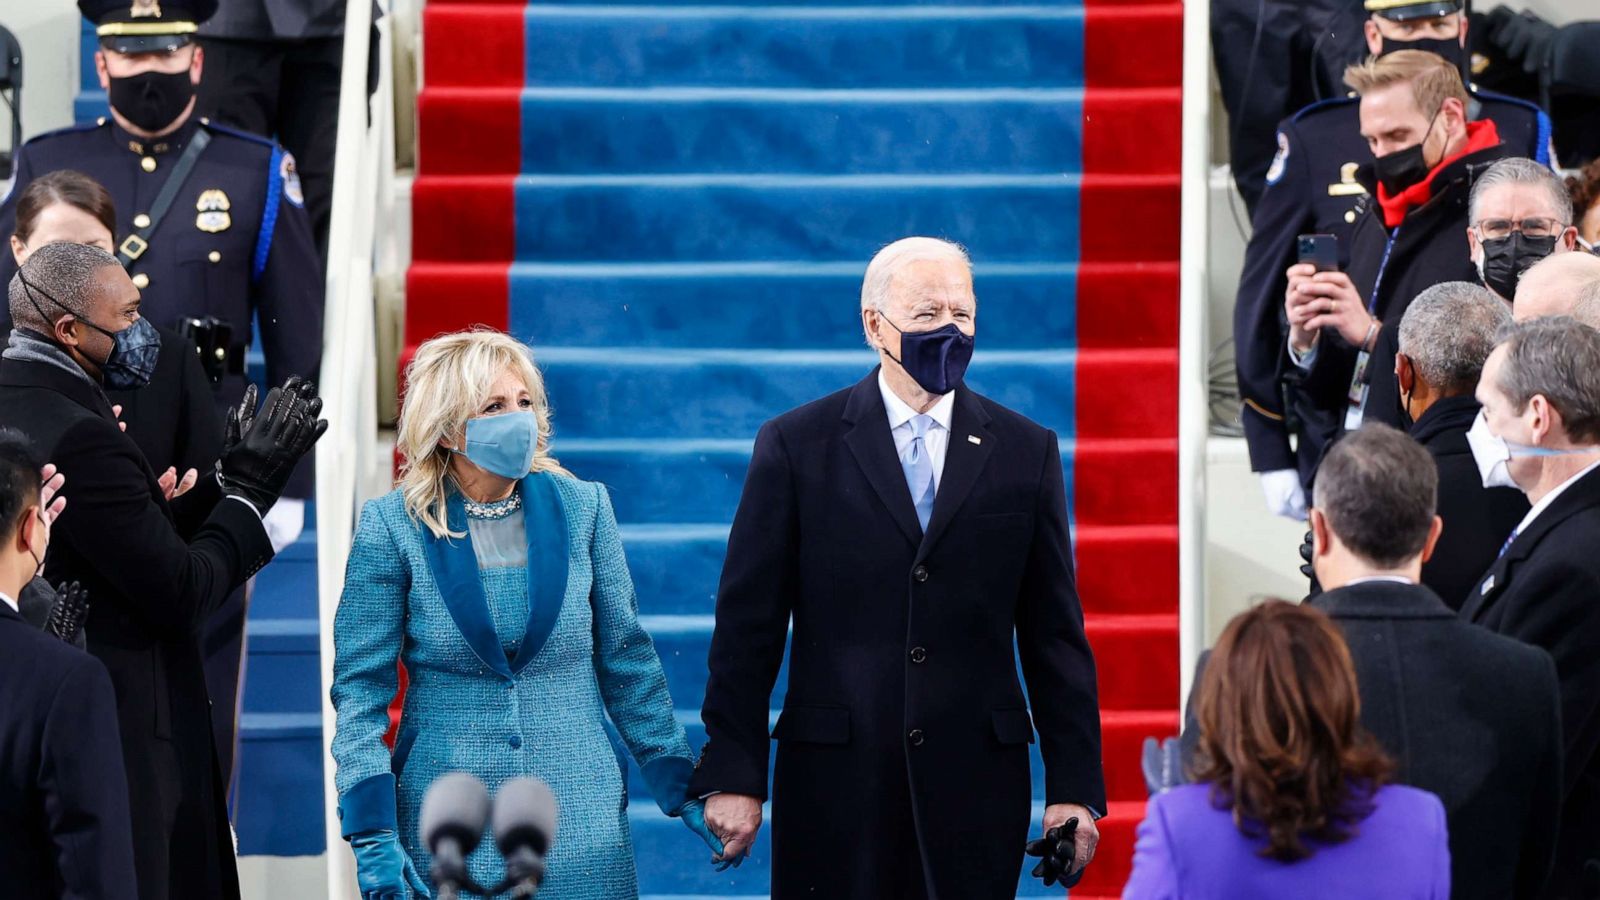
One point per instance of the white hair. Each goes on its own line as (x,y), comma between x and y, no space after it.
(882,269)
(1518,170)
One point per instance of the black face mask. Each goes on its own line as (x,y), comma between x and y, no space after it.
(1505,259)
(152,101)
(1403,168)
(1449,48)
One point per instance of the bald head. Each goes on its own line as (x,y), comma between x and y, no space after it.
(1552,287)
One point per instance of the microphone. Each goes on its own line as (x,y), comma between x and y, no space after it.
(525,813)
(454,812)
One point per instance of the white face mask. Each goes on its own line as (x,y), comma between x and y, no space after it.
(1493,454)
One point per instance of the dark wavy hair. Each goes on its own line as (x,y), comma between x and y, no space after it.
(64,186)
(1585,189)
(1281,741)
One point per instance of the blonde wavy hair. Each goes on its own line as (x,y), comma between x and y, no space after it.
(447,382)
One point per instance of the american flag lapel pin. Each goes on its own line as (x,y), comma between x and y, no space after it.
(1487,587)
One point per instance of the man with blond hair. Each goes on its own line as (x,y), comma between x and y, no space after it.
(1405,240)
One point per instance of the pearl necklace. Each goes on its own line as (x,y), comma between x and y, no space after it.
(496,510)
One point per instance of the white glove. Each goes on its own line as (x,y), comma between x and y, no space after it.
(284,522)
(1285,496)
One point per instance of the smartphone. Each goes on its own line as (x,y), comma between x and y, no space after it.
(1321,250)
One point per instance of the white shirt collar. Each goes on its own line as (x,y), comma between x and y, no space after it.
(1547,499)
(10,602)
(900,412)
(1395,579)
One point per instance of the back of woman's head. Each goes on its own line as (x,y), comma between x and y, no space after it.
(1281,740)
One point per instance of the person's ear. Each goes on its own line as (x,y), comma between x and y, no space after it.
(1405,372)
(197,64)
(1321,536)
(1454,112)
(1568,239)
(100,70)
(1545,418)
(1374,37)
(66,331)
(19,251)
(1472,244)
(1462,24)
(1432,543)
(870,320)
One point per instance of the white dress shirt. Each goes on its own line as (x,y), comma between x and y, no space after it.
(10,602)
(937,439)
(1547,499)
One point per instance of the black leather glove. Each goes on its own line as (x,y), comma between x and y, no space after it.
(259,451)
(67,613)
(1056,851)
(1522,38)
(1307,548)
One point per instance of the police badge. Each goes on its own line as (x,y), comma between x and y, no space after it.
(213,206)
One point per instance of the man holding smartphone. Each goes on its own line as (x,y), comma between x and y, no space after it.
(1407,237)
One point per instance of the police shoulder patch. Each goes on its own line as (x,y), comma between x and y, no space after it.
(1275,171)
(291,180)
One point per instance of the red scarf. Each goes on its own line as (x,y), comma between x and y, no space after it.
(1481,135)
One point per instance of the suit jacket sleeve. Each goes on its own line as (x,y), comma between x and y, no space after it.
(368,636)
(632,682)
(85,790)
(149,569)
(1056,659)
(1538,852)
(1155,875)
(1554,608)
(754,601)
(8,226)
(288,297)
(1259,334)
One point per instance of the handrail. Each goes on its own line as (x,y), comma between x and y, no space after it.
(1193,408)
(363,168)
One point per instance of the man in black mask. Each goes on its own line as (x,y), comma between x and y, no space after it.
(213,230)
(1312,188)
(1341,347)
(155,570)
(1521,213)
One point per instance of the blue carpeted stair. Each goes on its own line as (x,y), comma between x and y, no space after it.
(696,195)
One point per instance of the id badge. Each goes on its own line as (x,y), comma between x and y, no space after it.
(1357,396)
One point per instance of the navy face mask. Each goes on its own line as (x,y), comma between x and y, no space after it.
(936,360)
(134,350)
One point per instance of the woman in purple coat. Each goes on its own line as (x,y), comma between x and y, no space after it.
(1289,796)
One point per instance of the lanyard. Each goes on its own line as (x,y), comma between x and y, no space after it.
(1383,266)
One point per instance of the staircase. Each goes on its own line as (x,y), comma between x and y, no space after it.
(674,204)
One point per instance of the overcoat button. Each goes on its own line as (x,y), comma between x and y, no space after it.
(920,573)
(915,737)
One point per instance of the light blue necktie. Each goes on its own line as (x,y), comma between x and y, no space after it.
(919,468)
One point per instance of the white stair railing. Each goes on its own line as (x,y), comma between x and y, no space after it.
(348,453)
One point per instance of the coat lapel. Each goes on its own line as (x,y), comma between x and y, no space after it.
(455,571)
(869,440)
(1580,495)
(968,450)
(545,520)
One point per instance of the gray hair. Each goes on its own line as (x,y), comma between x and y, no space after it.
(1558,358)
(1448,332)
(1519,170)
(1378,489)
(62,270)
(882,269)
(1586,308)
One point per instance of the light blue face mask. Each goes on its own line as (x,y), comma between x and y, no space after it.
(503,444)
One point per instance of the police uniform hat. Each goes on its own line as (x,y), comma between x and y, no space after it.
(1406,10)
(146,26)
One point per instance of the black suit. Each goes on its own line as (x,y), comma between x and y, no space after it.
(65,831)
(903,743)
(1477,520)
(150,591)
(1545,590)
(1467,715)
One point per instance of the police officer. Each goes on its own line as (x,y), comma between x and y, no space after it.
(1311,187)
(213,229)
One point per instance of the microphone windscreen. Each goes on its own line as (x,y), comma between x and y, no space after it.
(456,805)
(525,810)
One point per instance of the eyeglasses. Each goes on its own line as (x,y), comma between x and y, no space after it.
(1533,226)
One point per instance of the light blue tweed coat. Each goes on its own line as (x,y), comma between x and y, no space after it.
(503,682)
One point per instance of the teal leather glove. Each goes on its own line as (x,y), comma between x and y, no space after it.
(383,869)
(693,815)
